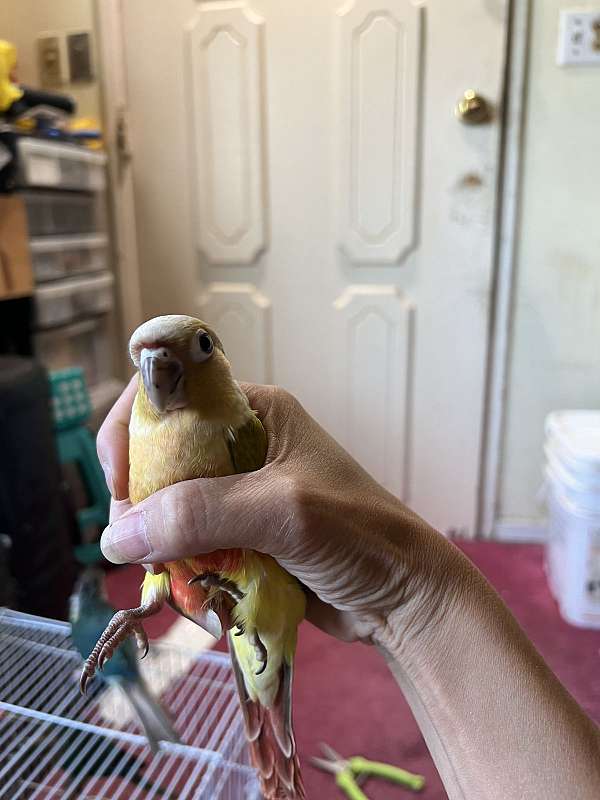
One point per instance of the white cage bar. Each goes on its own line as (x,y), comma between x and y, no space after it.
(54,743)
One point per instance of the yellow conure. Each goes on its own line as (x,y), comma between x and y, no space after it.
(190,420)
(9,91)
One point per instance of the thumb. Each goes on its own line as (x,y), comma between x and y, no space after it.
(186,519)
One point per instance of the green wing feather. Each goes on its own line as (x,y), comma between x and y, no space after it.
(247,445)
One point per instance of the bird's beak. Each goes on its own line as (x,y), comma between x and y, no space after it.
(162,374)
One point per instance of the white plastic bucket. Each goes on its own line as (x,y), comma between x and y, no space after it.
(574,437)
(583,495)
(573,560)
(572,491)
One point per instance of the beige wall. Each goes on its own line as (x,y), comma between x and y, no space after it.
(21,21)
(555,359)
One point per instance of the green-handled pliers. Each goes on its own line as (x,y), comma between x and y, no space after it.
(350,772)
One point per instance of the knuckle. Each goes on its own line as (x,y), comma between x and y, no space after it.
(298,500)
(285,399)
(183,515)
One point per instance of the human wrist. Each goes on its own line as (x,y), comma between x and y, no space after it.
(439,591)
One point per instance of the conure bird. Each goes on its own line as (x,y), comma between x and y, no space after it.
(190,419)
(89,614)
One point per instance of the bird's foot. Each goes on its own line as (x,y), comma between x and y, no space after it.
(210,580)
(122,625)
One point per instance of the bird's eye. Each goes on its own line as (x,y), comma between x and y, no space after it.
(205,342)
(203,346)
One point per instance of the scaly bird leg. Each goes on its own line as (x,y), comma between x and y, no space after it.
(122,625)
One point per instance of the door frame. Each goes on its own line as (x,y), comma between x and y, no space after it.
(114,94)
(502,298)
(115,106)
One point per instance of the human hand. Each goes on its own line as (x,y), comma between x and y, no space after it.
(363,556)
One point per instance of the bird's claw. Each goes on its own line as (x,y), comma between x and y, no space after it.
(85,679)
(260,651)
(122,625)
(141,639)
(210,580)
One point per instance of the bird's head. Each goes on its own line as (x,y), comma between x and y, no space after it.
(87,592)
(182,364)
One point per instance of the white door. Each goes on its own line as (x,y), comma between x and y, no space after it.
(302,182)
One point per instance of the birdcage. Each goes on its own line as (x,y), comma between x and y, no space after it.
(54,743)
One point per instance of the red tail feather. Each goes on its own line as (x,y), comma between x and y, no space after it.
(279,771)
(271,738)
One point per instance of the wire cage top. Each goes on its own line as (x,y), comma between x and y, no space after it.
(54,743)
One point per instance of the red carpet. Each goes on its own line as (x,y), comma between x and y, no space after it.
(345,696)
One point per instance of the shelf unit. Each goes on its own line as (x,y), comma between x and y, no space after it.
(63,186)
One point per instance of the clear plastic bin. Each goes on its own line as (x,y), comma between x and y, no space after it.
(60,166)
(61,213)
(83,344)
(64,301)
(60,256)
(93,295)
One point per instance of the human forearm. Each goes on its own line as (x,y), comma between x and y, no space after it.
(498,723)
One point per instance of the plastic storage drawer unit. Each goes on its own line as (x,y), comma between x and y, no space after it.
(64,301)
(58,257)
(84,344)
(60,166)
(60,213)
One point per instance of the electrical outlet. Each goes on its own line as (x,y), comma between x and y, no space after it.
(50,59)
(579,38)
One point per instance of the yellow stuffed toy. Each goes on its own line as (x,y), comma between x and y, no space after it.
(9,91)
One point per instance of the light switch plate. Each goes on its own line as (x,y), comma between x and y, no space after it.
(79,50)
(579,37)
(50,59)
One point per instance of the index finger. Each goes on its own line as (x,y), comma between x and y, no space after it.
(112,443)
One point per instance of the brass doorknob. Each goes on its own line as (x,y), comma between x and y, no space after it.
(473,109)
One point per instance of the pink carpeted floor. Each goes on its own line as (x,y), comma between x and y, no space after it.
(344,694)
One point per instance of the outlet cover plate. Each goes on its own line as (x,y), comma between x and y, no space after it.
(50,59)
(579,37)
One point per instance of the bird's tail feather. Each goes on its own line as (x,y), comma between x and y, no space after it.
(270,736)
(154,719)
(279,769)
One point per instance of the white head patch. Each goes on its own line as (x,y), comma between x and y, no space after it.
(156,330)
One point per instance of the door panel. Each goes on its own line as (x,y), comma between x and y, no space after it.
(378,72)
(317,200)
(225,77)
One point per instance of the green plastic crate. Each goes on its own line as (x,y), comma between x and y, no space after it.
(71,405)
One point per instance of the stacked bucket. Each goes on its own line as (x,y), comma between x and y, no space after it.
(572,480)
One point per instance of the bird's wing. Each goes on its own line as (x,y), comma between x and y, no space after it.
(247,445)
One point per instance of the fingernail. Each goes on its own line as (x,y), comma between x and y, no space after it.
(126,539)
